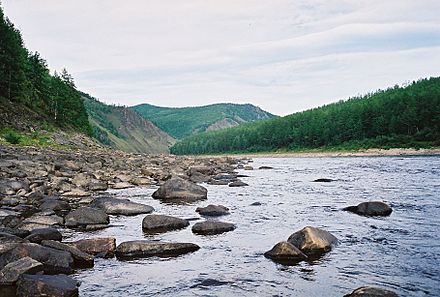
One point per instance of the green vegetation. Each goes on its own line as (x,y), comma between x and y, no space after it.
(182,122)
(397,117)
(28,139)
(25,80)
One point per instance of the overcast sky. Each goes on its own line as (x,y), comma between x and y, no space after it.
(284,56)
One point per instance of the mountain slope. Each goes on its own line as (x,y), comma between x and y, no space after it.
(122,128)
(406,116)
(183,122)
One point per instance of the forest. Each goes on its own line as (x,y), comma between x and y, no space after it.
(25,79)
(401,116)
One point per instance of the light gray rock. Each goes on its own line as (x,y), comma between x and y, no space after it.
(84,216)
(12,271)
(116,206)
(179,189)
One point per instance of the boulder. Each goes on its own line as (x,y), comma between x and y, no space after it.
(38,235)
(47,285)
(48,220)
(238,183)
(286,253)
(371,208)
(80,259)
(371,292)
(116,206)
(143,248)
(177,188)
(86,216)
(54,261)
(162,223)
(212,227)
(213,210)
(101,247)
(312,241)
(58,206)
(12,271)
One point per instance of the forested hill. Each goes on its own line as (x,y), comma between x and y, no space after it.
(397,117)
(182,122)
(26,84)
(123,129)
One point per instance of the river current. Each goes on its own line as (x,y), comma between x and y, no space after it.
(400,252)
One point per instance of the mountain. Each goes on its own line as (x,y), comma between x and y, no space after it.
(122,128)
(401,116)
(186,121)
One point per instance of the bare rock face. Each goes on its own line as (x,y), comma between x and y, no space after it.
(84,216)
(286,253)
(212,227)
(116,206)
(101,247)
(371,292)
(311,240)
(177,188)
(12,271)
(213,210)
(143,248)
(47,285)
(371,208)
(162,223)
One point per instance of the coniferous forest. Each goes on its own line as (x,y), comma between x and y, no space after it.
(25,79)
(406,116)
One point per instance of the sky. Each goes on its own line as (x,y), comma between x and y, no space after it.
(284,56)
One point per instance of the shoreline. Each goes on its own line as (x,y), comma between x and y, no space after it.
(394,152)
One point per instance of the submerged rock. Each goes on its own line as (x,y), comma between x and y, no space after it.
(213,210)
(101,247)
(47,285)
(162,223)
(371,208)
(84,216)
(311,240)
(323,180)
(12,271)
(143,248)
(286,253)
(371,292)
(179,189)
(117,206)
(212,227)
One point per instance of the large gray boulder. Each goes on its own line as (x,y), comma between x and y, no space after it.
(286,253)
(54,261)
(143,248)
(116,206)
(177,188)
(84,216)
(212,227)
(80,259)
(371,292)
(162,223)
(12,271)
(371,208)
(311,240)
(47,285)
(38,235)
(213,210)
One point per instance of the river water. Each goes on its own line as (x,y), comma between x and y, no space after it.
(400,252)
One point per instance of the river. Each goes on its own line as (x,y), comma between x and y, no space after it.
(400,252)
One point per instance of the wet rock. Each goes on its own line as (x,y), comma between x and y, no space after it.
(47,285)
(265,167)
(256,203)
(213,210)
(103,247)
(12,271)
(54,261)
(162,223)
(179,189)
(323,180)
(286,253)
(38,235)
(84,216)
(143,248)
(80,259)
(60,207)
(215,182)
(212,227)
(311,240)
(116,206)
(248,167)
(371,292)
(238,183)
(371,208)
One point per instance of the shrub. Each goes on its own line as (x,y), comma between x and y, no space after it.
(12,137)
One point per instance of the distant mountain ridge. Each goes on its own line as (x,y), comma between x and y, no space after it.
(122,128)
(186,121)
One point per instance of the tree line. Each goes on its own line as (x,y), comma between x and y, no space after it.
(25,79)
(401,116)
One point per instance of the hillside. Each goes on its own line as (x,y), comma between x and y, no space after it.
(186,121)
(397,117)
(123,129)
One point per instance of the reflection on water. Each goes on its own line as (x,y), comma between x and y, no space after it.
(400,252)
